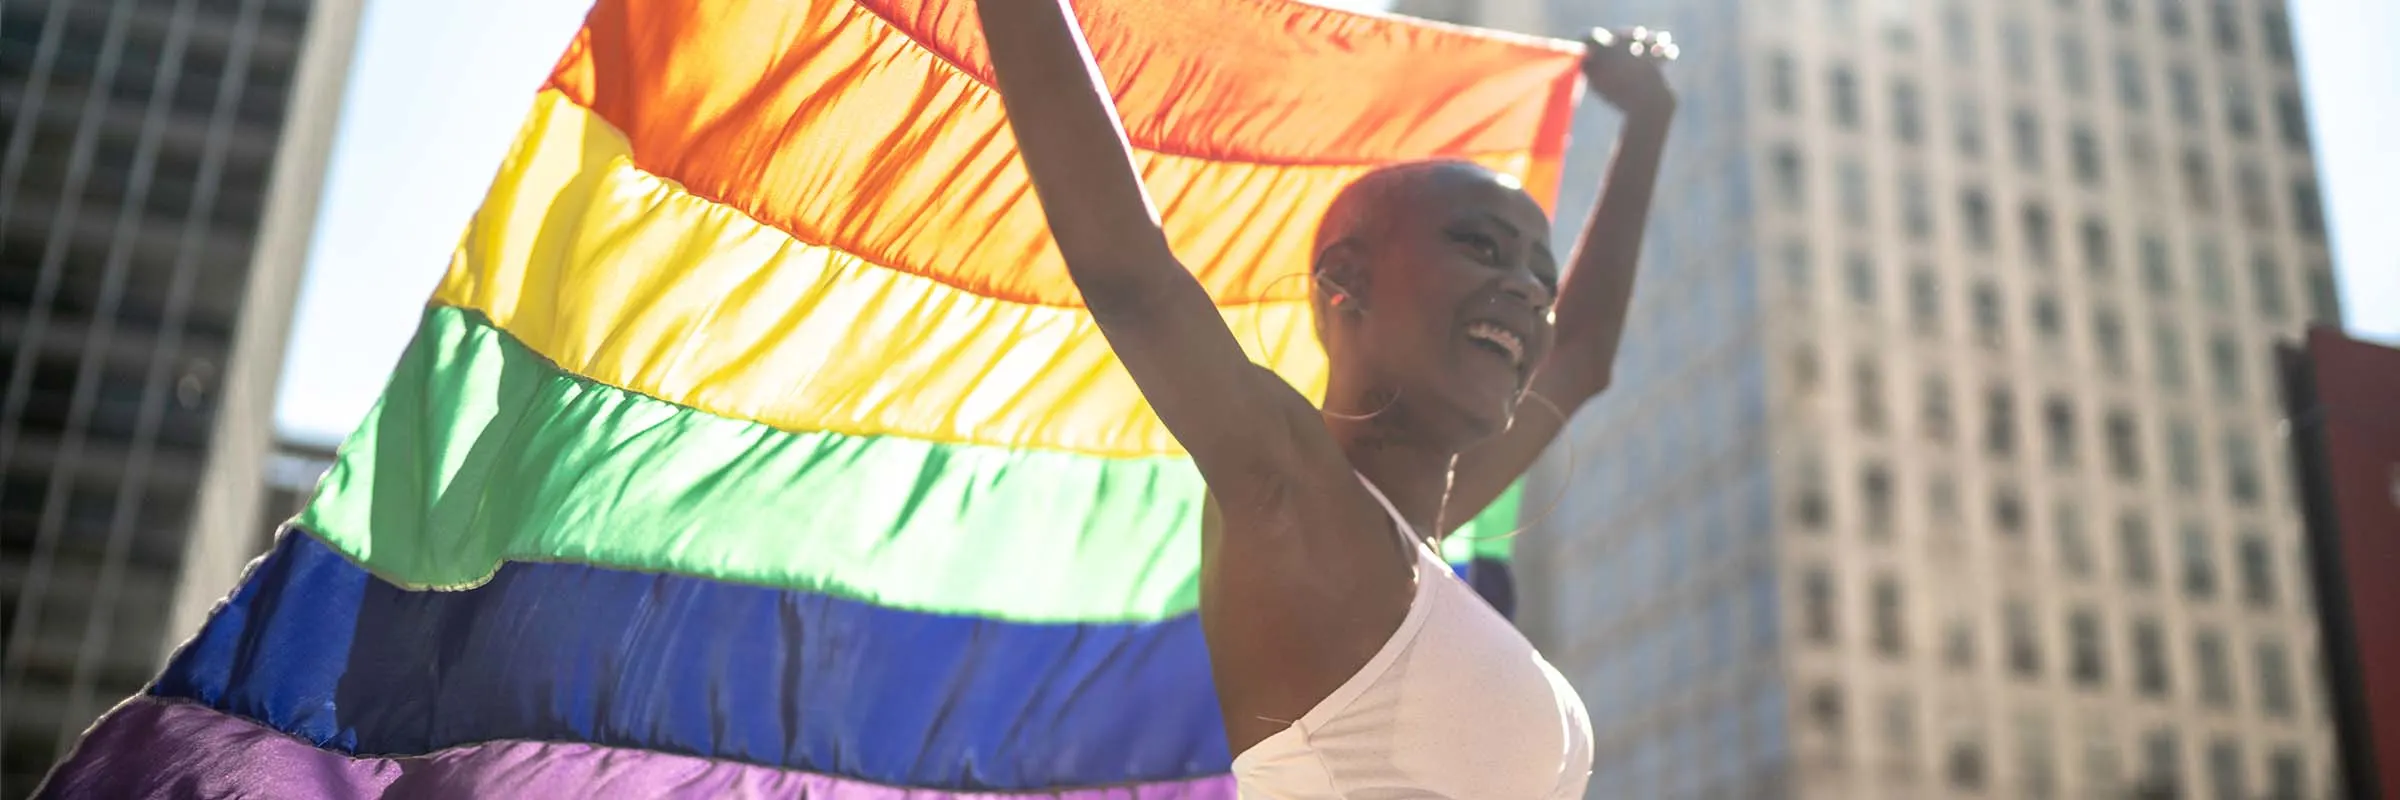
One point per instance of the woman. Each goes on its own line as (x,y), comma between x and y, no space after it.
(1347,659)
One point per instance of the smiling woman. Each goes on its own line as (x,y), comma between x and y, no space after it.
(1341,666)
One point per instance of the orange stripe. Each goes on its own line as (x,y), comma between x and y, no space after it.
(829,121)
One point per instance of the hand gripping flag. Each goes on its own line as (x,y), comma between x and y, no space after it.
(756,442)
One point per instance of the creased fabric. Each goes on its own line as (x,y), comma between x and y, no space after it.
(755,441)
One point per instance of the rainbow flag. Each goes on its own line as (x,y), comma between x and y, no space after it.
(756,441)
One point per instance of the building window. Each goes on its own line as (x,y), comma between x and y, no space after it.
(2291,119)
(1916,207)
(1891,625)
(2134,551)
(1843,86)
(1958,645)
(2074,64)
(2024,640)
(2099,760)
(1791,185)
(2276,30)
(1975,213)
(1900,730)
(2008,511)
(2225,366)
(2047,318)
(2306,214)
(1796,265)
(2142,157)
(1941,498)
(1925,301)
(2086,152)
(2025,133)
(1988,318)
(2158,274)
(2199,188)
(1825,710)
(1783,91)
(1939,422)
(1804,369)
(1875,490)
(1867,381)
(2241,108)
(2199,563)
(2016,49)
(2162,760)
(2185,90)
(2241,470)
(1958,33)
(1966,766)
(2036,221)
(2287,779)
(2227,25)
(2058,422)
(2096,246)
(2274,680)
(2167,348)
(2258,571)
(2171,19)
(2256,200)
(1809,500)
(1851,180)
(2324,304)
(1967,116)
(2124,446)
(2150,659)
(2089,652)
(1818,603)
(2214,287)
(2132,86)
(1908,116)
(2074,544)
(1999,422)
(2266,286)
(2120,11)
(2037,777)
(2216,675)
(2183,455)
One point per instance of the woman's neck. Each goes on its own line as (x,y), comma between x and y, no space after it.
(1414,476)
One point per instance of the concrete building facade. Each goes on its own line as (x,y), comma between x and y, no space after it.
(160,177)
(1945,456)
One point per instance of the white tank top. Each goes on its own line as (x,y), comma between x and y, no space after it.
(1457,704)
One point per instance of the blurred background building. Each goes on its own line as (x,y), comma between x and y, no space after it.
(161,171)
(1945,459)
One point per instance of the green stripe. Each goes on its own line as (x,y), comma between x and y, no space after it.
(1491,533)
(482,451)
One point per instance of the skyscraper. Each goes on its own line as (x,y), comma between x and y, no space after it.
(159,181)
(1944,458)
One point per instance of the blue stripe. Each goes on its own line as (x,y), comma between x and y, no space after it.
(1492,579)
(314,646)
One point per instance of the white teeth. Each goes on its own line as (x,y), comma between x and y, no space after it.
(1505,338)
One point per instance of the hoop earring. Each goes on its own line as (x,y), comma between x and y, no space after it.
(1258,340)
(1563,485)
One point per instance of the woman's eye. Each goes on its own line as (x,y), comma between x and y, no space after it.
(1483,246)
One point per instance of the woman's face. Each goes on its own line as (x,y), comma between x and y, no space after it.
(1454,313)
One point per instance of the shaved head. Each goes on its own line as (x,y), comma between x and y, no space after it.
(1368,204)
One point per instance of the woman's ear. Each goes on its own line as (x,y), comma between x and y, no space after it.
(1340,281)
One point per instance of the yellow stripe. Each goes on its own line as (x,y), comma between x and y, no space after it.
(626,278)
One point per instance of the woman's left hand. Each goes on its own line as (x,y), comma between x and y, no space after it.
(1622,67)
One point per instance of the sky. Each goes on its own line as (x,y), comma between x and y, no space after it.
(439,87)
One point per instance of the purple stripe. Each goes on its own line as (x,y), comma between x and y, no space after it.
(153,747)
